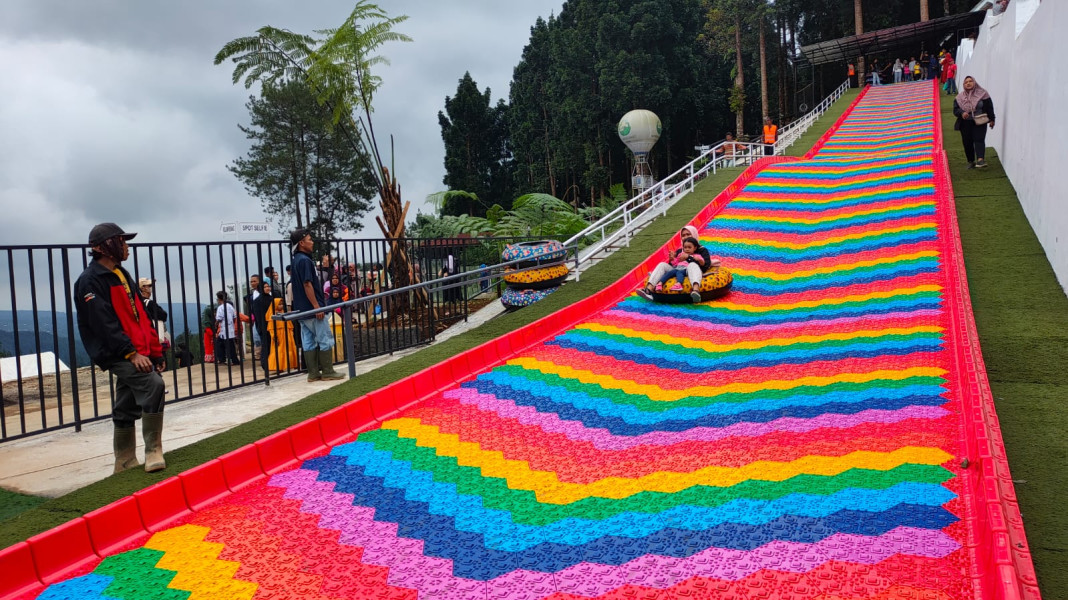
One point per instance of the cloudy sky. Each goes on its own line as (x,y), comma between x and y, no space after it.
(111,110)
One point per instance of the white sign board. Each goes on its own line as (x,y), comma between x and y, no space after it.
(9,369)
(227,228)
(245,228)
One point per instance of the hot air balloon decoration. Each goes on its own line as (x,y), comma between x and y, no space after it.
(639,130)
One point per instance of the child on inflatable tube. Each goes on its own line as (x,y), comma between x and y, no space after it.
(695,264)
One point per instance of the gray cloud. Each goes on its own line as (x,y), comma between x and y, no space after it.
(114,111)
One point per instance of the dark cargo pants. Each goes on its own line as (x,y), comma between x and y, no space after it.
(135,392)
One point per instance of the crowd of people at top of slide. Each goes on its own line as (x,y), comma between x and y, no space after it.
(939,66)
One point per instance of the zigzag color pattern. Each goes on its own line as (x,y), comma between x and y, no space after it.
(796,439)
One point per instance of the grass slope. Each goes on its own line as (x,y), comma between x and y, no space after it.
(1022,316)
(37,518)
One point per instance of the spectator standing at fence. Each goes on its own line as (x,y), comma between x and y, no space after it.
(728,150)
(383,278)
(262,304)
(910,71)
(272,279)
(899,70)
(225,331)
(326,267)
(289,286)
(155,312)
(335,283)
(182,355)
(119,337)
(289,306)
(253,293)
(209,344)
(771,135)
(876,78)
(283,356)
(351,279)
(975,113)
(317,338)
(934,69)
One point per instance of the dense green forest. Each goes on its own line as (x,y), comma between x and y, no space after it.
(705,67)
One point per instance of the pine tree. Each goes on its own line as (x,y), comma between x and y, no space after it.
(475,133)
(300,167)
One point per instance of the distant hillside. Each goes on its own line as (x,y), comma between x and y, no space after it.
(27,345)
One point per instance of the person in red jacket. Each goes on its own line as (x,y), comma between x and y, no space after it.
(120,338)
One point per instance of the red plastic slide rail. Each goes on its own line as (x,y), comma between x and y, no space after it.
(1003,569)
(75,547)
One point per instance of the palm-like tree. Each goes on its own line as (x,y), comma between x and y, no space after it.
(338,68)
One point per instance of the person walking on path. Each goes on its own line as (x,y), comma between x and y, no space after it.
(951,77)
(975,113)
(119,337)
(317,337)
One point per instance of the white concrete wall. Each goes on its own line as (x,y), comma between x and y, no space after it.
(1021,58)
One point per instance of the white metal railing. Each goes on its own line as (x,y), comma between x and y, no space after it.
(626,219)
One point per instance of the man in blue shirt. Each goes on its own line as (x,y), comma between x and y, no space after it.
(316,335)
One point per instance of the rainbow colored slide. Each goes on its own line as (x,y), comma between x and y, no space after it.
(825,431)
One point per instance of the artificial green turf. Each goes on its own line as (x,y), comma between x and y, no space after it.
(60,510)
(12,503)
(1022,316)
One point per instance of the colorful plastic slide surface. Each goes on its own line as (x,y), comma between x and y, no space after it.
(801,438)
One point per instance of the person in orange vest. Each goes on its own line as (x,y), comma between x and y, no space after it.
(771,134)
(852,71)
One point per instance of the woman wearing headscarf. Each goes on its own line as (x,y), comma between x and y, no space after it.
(695,270)
(975,112)
(261,305)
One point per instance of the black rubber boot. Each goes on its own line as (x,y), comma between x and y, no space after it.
(152,431)
(125,443)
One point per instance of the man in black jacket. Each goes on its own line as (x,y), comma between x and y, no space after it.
(154,311)
(119,337)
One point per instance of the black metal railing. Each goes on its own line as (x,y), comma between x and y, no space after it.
(47,381)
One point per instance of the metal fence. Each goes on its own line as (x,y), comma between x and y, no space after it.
(48,383)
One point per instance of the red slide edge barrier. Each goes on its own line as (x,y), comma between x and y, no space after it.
(1003,566)
(70,547)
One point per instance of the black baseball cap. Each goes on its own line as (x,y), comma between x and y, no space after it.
(105,231)
(297,235)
